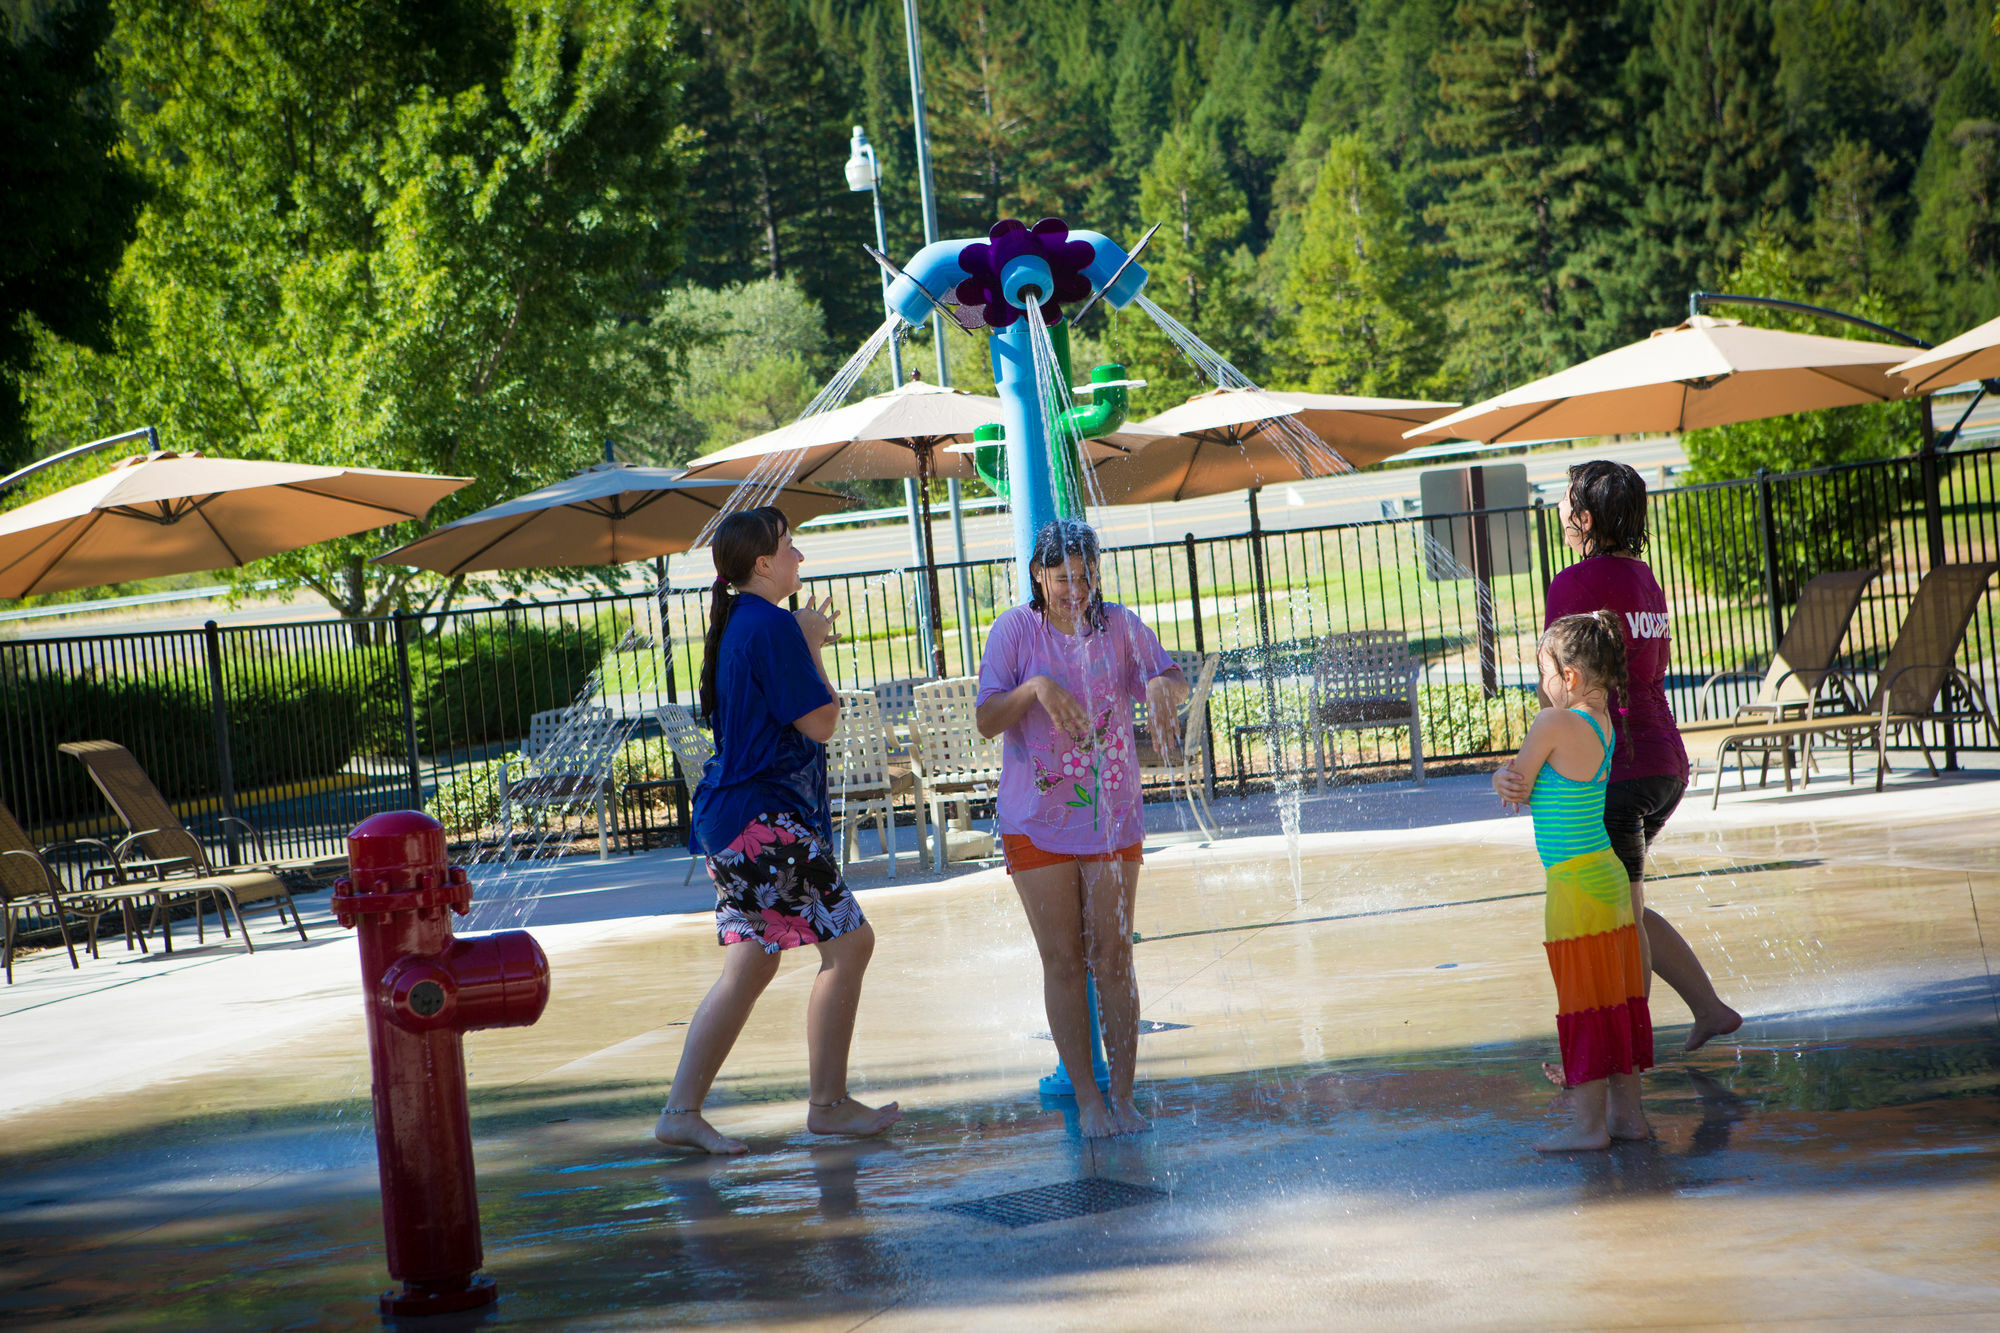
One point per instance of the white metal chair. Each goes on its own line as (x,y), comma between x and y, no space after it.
(569,753)
(899,708)
(955,761)
(692,746)
(860,781)
(1193,767)
(1365,680)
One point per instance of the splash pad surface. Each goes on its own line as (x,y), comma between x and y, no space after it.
(1342,1113)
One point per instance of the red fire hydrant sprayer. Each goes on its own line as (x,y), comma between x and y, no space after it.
(424,989)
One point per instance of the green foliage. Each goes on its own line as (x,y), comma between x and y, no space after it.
(1198,265)
(753,356)
(1458,719)
(468,801)
(483,684)
(385,235)
(284,725)
(1367,319)
(1530,120)
(70,201)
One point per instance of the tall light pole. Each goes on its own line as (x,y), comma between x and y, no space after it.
(921,126)
(864,172)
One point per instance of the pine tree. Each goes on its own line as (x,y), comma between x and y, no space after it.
(767,192)
(1368,303)
(1141,113)
(1198,269)
(1715,153)
(1956,235)
(1533,214)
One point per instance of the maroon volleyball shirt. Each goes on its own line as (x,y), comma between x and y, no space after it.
(1649,744)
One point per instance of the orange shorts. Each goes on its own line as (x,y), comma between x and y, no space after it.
(1022,854)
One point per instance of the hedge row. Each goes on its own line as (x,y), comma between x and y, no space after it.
(292,717)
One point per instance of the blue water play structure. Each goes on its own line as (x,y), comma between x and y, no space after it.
(991,283)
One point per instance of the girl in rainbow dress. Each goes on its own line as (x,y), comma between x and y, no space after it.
(1591,936)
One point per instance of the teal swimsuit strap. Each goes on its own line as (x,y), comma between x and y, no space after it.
(1605,767)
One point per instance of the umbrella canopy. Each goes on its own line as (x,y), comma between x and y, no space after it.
(886,435)
(1704,372)
(1234,439)
(170,513)
(1973,355)
(1364,430)
(604,515)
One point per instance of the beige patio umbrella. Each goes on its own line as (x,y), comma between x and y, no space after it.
(1703,372)
(1236,439)
(1972,355)
(170,513)
(605,515)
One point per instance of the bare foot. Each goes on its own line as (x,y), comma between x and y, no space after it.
(1096,1122)
(1575,1140)
(1634,1130)
(688,1129)
(1553,1072)
(1126,1118)
(1720,1023)
(850,1118)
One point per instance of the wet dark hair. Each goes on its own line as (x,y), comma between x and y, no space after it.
(1595,645)
(1614,495)
(740,541)
(1060,540)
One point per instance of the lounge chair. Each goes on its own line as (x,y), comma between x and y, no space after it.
(1800,670)
(1918,686)
(176,861)
(29,886)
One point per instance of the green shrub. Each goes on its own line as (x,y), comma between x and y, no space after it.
(284,726)
(484,684)
(469,800)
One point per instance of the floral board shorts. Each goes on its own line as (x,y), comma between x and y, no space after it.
(779,886)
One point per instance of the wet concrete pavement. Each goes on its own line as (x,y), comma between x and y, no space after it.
(1344,1082)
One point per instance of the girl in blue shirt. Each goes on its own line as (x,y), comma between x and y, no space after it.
(763,820)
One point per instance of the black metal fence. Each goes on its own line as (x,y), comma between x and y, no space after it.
(305,729)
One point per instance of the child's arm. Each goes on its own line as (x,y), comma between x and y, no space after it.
(1515,779)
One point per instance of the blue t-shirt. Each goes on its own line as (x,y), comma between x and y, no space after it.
(766,679)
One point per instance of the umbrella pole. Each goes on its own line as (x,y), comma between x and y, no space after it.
(930,561)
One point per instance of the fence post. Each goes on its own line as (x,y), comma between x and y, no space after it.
(1933,482)
(1542,546)
(1257,574)
(1200,646)
(409,711)
(1767,537)
(225,766)
(1482,582)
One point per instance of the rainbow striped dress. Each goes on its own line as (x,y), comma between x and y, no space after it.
(1593,944)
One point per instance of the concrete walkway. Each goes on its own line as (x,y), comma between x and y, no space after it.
(1342,1069)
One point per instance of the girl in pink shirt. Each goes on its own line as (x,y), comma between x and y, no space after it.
(1059,679)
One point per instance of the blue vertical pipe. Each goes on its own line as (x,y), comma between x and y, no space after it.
(1030,483)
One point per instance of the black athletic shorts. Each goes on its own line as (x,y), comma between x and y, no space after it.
(1634,812)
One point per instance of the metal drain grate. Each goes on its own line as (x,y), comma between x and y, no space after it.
(1052,1203)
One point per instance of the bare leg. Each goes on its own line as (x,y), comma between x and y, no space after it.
(1586,1129)
(1625,1117)
(1667,954)
(746,971)
(1052,896)
(1109,891)
(836,994)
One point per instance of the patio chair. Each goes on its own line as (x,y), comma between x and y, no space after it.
(29,886)
(1800,670)
(569,753)
(1193,767)
(955,761)
(1917,686)
(692,747)
(176,860)
(898,699)
(1365,680)
(860,781)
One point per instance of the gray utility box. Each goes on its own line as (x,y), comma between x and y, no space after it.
(1456,492)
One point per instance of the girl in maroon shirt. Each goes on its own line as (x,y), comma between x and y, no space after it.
(1604,521)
